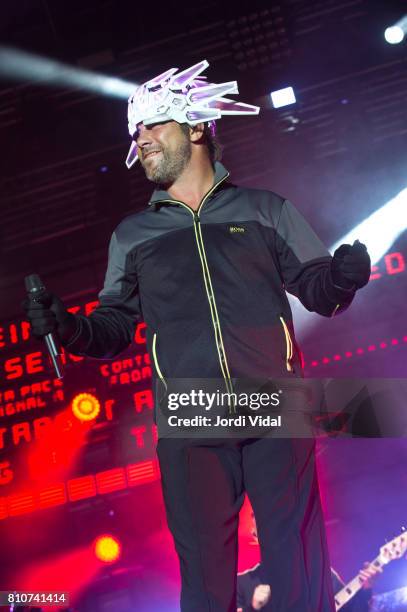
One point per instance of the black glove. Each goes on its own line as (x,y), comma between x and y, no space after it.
(350,266)
(48,315)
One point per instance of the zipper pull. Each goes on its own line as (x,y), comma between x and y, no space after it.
(196,217)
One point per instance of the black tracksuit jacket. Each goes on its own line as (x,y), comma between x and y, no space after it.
(211,285)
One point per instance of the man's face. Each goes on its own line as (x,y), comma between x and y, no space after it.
(164,151)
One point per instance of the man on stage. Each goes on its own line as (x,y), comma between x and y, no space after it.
(207,265)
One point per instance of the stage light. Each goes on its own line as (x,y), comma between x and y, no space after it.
(85,406)
(395,33)
(19,65)
(107,548)
(282,97)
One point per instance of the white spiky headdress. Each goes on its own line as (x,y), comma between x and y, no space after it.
(185,97)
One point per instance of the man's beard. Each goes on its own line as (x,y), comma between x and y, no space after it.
(170,165)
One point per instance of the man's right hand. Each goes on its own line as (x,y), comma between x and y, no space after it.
(48,315)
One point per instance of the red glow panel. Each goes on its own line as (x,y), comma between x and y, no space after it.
(137,473)
(3,508)
(81,488)
(111,480)
(20,504)
(52,496)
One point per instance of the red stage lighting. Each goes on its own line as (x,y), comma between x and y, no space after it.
(107,548)
(85,406)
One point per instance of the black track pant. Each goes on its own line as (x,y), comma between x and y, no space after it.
(203,486)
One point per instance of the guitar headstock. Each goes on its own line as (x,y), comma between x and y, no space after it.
(395,549)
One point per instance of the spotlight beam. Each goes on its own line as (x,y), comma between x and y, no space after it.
(381,229)
(22,66)
(396,33)
(379,232)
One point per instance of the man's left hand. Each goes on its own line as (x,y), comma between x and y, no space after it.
(350,266)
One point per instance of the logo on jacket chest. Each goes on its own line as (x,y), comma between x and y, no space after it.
(236,229)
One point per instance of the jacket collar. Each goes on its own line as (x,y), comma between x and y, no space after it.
(160,195)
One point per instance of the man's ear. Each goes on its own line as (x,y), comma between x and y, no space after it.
(196,132)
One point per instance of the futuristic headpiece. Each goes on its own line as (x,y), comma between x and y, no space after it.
(185,97)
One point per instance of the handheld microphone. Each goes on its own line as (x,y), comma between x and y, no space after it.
(36,290)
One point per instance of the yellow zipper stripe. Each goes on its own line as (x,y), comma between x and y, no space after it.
(289,345)
(215,322)
(157,367)
(334,310)
(215,317)
(209,276)
(208,285)
(228,377)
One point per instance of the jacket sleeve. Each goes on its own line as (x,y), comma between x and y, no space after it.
(110,328)
(305,265)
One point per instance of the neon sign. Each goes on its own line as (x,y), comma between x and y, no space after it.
(394,263)
(27,431)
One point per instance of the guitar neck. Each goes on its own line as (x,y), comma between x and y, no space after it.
(350,589)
